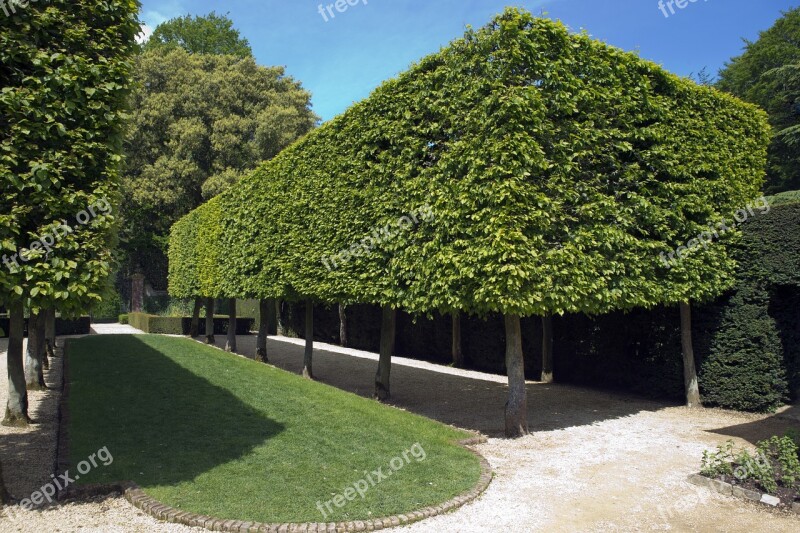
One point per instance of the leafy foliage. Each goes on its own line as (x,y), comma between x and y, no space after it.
(200,122)
(768,74)
(557,169)
(209,34)
(66,71)
(776,463)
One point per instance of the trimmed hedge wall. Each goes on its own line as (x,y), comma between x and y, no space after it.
(538,171)
(747,343)
(182,325)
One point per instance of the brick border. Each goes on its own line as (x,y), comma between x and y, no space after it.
(137,497)
(738,492)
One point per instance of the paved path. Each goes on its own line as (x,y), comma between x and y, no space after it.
(597,461)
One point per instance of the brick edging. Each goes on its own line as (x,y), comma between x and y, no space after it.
(739,492)
(137,497)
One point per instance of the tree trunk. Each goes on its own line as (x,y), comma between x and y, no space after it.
(689,370)
(382,376)
(210,321)
(279,329)
(49,337)
(517,404)
(5,498)
(230,343)
(458,354)
(342,325)
(309,353)
(547,349)
(34,375)
(263,330)
(17,406)
(194,329)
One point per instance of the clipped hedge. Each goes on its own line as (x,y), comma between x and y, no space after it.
(554,168)
(167,325)
(747,342)
(64,326)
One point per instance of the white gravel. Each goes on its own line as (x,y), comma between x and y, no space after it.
(597,461)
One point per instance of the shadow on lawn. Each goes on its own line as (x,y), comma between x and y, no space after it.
(162,424)
(464,402)
(763,429)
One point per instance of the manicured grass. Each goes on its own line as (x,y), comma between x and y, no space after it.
(216,434)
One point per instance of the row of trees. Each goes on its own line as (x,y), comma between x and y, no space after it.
(66,70)
(557,170)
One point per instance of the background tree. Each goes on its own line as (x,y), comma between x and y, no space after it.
(200,122)
(209,34)
(768,74)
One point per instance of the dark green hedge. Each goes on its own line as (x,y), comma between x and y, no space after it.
(182,325)
(64,326)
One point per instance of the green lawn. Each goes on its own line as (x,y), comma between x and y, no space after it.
(216,434)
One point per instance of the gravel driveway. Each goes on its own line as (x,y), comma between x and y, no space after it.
(597,461)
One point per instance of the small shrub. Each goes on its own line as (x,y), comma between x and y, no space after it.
(123,319)
(719,463)
(782,454)
(776,464)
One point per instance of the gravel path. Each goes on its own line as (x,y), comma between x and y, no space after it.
(597,461)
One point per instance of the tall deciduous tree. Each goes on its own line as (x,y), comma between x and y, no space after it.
(768,74)
(200,122)
(207,34)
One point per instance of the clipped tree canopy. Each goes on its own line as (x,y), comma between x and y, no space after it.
(523,169)
(66,71)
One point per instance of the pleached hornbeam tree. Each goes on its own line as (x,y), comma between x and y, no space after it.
(523,170)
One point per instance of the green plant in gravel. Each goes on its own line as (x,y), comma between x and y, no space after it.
(212,433)
(557,170)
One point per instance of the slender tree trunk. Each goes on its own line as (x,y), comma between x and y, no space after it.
(210,321)
(263,330)
(49,337)
(517,404)
(34,375)
(5,498)
(383,375)
(343,325)
(230,343)
(308,357)
(17,406)
(458,354)
(272,316)
(279,329)
(689,370)
(547,349)
(194,329)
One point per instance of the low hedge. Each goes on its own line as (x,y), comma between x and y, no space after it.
(167,325)
(64,326)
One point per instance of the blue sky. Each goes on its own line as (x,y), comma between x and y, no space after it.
(343,59)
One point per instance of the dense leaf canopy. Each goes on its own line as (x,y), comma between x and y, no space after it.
(768,74)
(200,122)
(554,170)
(66,70)
(209,34)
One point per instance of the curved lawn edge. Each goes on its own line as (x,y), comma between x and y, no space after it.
(139,499)
(149,505)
